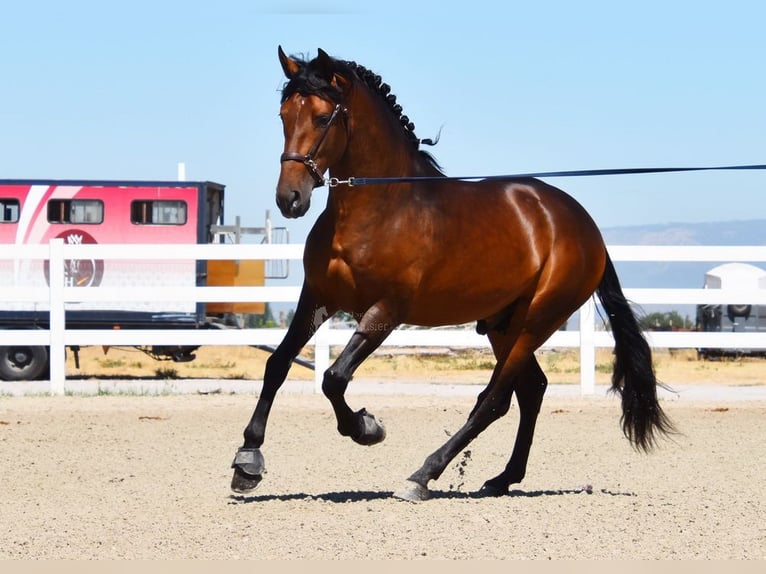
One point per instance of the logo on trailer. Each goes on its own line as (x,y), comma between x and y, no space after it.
(79,272)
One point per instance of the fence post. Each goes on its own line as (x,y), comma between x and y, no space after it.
(587,348)
(321,354)
(57,327)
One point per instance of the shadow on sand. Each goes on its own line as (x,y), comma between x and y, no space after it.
(369,495)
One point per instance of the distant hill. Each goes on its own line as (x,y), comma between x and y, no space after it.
(680,275)
(749,232)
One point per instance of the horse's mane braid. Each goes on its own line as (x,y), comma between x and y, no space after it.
(375,83)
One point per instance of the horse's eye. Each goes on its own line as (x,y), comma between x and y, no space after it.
(322,121)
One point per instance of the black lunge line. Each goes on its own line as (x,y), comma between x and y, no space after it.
(357,181)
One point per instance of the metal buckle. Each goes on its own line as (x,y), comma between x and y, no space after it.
(335,182)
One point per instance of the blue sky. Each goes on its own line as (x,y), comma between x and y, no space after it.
(126,90)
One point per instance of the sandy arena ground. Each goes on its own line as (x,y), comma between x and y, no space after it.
(123,476)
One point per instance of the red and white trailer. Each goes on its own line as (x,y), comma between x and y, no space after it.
(115,212)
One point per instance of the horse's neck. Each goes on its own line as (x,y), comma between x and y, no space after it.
(377,146)
(375,157)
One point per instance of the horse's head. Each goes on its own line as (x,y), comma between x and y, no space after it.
(315,128)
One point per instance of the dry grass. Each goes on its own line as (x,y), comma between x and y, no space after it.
(435,365)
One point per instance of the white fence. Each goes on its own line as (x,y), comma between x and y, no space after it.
(587,337)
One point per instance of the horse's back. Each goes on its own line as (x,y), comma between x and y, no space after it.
(524,222)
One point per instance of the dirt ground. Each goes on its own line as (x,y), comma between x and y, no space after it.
(125,476)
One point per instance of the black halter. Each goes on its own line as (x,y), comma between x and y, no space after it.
(308,159)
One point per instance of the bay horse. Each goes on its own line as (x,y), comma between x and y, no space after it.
(518,257)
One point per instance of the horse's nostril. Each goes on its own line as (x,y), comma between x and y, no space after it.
(295,201)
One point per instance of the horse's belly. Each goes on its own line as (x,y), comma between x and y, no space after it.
(458,307)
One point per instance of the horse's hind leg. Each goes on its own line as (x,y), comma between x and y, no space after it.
(530,388)
(493,404)
(248,463)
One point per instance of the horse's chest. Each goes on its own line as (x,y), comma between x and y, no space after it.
(353,271)
(353,278)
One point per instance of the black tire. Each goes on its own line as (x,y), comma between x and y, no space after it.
(739,311)
(23,363)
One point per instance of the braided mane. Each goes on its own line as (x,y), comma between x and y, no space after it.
(309,81)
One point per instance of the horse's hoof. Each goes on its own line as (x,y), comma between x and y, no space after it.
(249,469)
(243,483)
(413,492)
(371,430)
(493,490)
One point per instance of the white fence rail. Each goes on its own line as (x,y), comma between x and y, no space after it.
(587,338)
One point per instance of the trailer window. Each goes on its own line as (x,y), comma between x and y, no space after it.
(158,212)
(9,210)
(76,211)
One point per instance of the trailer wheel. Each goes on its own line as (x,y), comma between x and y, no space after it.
(23,363)
(739,311)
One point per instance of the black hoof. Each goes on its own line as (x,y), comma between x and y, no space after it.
(242,483)
(493,489)
(249,469)
(371,430)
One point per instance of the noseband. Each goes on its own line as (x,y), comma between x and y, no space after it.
(308,159)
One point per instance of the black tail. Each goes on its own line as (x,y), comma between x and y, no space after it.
(633,377)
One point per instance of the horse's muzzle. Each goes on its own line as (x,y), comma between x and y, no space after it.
(294,204)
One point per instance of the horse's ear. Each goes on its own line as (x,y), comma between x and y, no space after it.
(327,68)
(289,66)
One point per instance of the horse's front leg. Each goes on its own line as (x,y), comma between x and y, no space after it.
(248,463)
(363,427)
